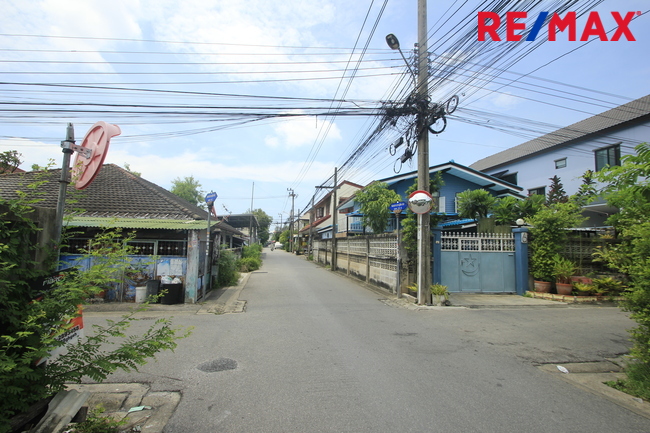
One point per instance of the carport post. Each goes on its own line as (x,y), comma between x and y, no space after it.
(521,259)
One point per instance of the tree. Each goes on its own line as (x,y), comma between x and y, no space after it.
(34,320)
(375,200)
(189,189)
(9,161)
(508,209)
(627,187)
(549,234)
(556,193)
(127,167)
(475,204)
(264,220)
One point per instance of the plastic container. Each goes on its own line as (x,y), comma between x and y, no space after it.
(140,294)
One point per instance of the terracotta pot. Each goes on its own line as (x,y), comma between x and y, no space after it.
(543,286)
(563,288)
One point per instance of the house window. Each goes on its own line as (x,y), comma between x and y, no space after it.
(560,163)
(539,191)
(320,212)
(608,156)
(510,178)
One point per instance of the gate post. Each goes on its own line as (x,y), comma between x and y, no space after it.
(521,259)
(436,253)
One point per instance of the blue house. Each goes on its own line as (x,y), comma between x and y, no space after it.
(569,152)
(456,177)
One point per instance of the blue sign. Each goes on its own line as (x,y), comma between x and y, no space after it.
(398,206)
(211,197)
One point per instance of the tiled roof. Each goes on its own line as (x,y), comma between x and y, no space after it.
(625,113)
(115,193)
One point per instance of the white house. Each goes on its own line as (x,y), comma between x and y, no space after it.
(569,152)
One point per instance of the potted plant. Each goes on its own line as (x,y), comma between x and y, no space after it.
(583,289)
(542,268)
(441,294)
(563,268)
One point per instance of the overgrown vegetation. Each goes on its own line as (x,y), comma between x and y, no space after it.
(97,423)
(549,234)
(228,273)
(628,188)
(36,322)
(251,259)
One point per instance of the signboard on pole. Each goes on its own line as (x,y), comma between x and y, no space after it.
(398,207)
(210,198)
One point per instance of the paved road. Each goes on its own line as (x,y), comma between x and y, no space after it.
(317,352)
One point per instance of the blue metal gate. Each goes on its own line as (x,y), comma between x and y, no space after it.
(478,262)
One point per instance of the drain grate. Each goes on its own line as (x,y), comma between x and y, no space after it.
(220,364)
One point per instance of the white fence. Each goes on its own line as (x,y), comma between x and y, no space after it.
(372,259)
(479,242)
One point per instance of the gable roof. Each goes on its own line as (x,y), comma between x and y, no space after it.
(486,181)
(632,111)
(114,193)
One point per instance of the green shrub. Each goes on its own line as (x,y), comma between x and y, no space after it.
(228,273)
(254,251)
(249,264)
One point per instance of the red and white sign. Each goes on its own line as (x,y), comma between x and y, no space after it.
(97,139)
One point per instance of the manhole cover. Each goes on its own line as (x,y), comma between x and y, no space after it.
(220,364)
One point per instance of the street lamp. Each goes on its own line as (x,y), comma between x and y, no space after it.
(393,44)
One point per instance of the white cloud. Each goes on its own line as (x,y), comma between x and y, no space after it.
(33,152)
(296,132)
(162,169)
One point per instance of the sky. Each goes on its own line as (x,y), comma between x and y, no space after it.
(256,99)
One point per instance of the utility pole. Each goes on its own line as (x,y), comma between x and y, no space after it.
(250,218)
(293,196)
(424,229)
(334,220)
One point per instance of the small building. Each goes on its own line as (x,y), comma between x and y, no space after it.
(166,227)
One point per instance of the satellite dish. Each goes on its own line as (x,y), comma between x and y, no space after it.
(87,164)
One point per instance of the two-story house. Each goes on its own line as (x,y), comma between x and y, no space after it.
(569,152)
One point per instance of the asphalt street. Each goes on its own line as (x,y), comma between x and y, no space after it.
(315,351)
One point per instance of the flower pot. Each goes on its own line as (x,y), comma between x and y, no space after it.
(563,288)
(543,286)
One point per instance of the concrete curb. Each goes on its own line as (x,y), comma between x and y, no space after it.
(226,300)
(152,409)
(591,377)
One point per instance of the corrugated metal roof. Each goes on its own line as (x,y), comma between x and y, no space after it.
(140,223)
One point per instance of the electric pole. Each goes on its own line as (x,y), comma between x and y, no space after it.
(424,229)
(293,196)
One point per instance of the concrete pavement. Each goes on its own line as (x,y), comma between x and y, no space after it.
(154,409)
